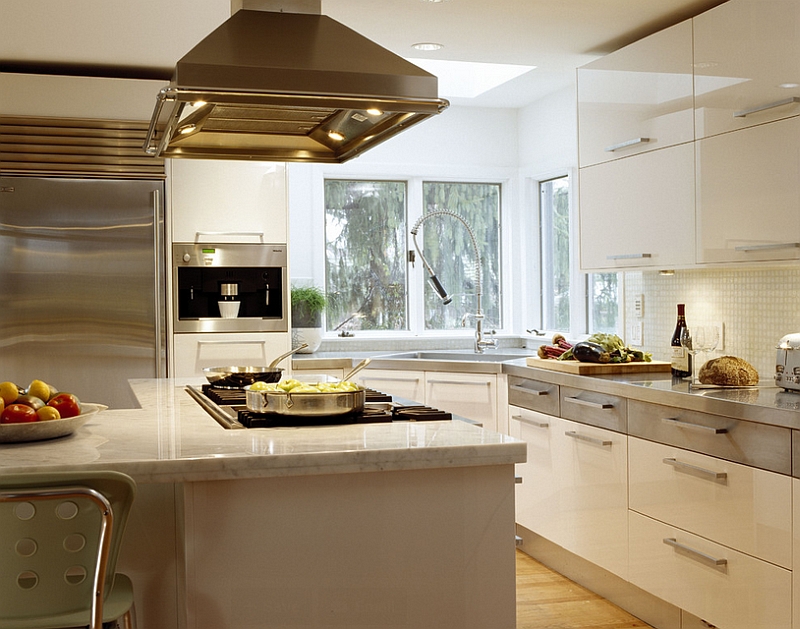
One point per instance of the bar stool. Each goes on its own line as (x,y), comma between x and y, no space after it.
(60,536)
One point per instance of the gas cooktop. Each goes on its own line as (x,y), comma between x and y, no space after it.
(228,407)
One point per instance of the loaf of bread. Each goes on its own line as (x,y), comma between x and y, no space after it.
(728,370)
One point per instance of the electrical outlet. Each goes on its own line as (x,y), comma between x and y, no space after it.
(635,333)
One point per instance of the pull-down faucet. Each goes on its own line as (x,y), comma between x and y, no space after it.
(480,343)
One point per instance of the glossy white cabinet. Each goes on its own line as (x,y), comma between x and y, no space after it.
(574,487)
(228,201)
(471,395)
(744,52)
(742,507)
(194,352)
(724,587)
(748,194)
(409,385)
(639,212)
(638,98)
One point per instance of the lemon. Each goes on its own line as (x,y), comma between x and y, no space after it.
(9,392)
(40,389)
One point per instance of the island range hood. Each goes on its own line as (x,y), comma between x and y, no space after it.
(268,85)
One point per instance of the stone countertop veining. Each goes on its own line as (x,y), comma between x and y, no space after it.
(172,439)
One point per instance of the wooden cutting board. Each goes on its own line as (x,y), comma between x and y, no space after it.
(596,369)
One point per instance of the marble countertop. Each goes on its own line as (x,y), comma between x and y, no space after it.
(171,439)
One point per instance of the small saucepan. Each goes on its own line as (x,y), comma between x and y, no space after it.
(238,377)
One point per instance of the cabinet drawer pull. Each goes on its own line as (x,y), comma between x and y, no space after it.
(230,342)
(626,144)
(516,387)
(688,467)
(777,245)
(586,438)
(714,561)
(378,379)
(589,403)
(532,422)
(472,383)
(691,426)
(629,256)
(777,103)
(259,235)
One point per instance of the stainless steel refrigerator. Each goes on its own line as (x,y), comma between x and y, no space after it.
(82,284)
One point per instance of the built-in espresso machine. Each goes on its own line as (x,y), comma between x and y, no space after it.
(231,287)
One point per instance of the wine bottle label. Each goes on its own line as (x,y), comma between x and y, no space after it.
(680,359)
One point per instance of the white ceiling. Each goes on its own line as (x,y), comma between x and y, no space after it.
(556,36)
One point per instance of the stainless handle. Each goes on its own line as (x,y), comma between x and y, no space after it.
(231,342)
(532,422)
(714,561)
(589,403)
(777,103)
(688,467)
(266,294)
(377,379)
(160,282)
(626,144)
(259,235)
(778,245)
(516,387)
(485,382)
(588,439)
(629,256)
(691,426)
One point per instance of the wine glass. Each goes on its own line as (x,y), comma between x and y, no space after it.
(690,345)
(706,338)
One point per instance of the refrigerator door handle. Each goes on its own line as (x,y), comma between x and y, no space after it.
(159,255)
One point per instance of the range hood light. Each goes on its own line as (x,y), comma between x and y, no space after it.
(373,111)
(187,128)
(335,135)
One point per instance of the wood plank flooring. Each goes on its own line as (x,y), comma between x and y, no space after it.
(548,600)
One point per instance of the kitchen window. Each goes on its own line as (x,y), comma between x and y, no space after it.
(572,302)
(368,278)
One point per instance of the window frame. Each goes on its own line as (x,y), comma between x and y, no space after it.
(417,277)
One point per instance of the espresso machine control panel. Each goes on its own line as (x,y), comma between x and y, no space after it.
(231,287)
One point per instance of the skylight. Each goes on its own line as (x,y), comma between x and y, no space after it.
(465,79)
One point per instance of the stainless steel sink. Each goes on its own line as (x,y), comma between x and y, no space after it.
(458,356)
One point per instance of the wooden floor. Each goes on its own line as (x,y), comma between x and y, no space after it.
(548,600)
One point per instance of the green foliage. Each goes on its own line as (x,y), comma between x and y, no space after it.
(308,304)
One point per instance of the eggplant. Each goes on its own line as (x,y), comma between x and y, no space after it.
(588,352)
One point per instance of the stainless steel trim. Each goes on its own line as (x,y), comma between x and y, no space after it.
(753,110)
(588,439)
(629,256)
(222,418)
(532,422)
(259,235)
(626,144)
(202,342)
(705,557)
(693,426)
(688,467)
(589,403)
(516,387)
(778,245)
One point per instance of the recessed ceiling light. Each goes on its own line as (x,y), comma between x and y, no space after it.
(427,46)
(789,86)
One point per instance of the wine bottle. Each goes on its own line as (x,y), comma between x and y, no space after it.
(681,359)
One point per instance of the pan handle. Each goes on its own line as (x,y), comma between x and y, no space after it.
(275,362)
(357,368)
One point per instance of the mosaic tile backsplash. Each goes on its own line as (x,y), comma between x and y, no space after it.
(756,306)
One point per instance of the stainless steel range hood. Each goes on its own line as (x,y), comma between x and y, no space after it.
(276,86)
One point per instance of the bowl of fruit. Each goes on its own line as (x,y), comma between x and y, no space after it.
(40,411)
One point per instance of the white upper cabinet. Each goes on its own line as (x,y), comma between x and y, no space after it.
(748,194)
(228,201)
(639,212)
(638,98)
(746,64)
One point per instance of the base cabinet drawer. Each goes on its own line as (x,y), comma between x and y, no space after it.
(725,588)
(744,508)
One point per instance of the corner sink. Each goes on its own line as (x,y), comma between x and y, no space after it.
(457,356)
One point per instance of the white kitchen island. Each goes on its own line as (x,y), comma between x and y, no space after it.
(407,525)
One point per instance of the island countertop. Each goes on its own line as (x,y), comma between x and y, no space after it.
(172,439)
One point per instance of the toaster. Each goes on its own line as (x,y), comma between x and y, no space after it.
(787,363)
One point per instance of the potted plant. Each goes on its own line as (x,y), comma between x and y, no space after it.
(308,304)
